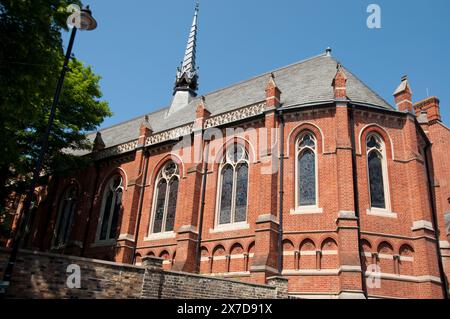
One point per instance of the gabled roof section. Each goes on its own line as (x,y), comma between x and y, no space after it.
(302,83)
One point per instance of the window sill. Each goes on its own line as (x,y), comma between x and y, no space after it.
(160,236)
(381,213)
(229,228)
(307,210)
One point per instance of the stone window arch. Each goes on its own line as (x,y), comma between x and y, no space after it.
(110,209)
(165,199)
(233,186)
(377,172)
(64,219)
(306,190)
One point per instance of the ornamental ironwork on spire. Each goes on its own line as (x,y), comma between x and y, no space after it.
(187,73)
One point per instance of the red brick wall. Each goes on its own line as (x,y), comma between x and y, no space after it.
(321,251)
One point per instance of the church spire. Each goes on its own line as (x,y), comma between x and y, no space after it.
(186,83)
(187,74)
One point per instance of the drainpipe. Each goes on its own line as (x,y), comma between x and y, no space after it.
(88,222)
(356,193)
(141,204)
(207,139)
(280,226)
(435,223)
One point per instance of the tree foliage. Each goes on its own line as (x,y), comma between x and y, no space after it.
(31,58)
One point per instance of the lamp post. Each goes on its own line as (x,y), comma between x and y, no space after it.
(82,20)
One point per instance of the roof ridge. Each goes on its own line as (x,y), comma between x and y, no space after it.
(130,120)
(366,86)
(216,91)
(267,73)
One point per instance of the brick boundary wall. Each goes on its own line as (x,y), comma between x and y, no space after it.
(43,276)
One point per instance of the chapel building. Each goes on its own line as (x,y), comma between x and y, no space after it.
(303,172)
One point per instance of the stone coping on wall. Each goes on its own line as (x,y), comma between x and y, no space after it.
(218,279)
(74,258)
(133,267)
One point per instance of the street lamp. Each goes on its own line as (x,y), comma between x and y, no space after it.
(82,20)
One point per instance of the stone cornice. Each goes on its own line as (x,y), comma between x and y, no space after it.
(175,133)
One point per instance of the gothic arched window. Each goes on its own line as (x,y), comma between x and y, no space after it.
(111,205)
(377,172)
(65,216)
(306,170)
(165,202)
(233,186)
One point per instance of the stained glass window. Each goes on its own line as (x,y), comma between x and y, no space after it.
(172,206)
(227,195)
(160,202)
(307,178)
(375,162)
(65,216)
(166,199)
(112,203)
(306,174)
(241,192)
(233,186)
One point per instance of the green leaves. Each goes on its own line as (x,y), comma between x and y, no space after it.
(31,58)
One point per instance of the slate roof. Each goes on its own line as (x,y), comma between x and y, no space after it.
(302,83)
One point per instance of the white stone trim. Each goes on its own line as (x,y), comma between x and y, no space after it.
(267,218)
(321,272)
(108,187)
(415,279)
(309,253)
(126,237)
(346,215)
(347,268)
(386,212)
(160,236)
(422,224)
(381,213)
(225,161)
(444,244)
(188,228)
(230,274)
(237,256)
(306,210)
(162,176)
(169,135)
(380,127)
(390,257)
(312,209)
(235,115)
(229,228)
(264,268)
(116,150)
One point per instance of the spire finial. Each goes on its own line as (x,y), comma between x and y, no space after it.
(187,74)
(186,83)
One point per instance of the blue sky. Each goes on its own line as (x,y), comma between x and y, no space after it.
(139,44)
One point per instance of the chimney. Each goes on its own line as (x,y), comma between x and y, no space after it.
(430,106)
(340,84)
(403,96)
(273,93)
